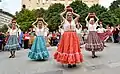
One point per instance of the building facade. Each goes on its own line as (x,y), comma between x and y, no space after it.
(37,4)
(5,18)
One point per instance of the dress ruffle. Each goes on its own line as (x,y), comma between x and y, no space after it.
(12,43)
(38,50)
(38,56)
(68,51)
(68,58)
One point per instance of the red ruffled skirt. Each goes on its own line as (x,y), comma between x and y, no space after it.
(68,51)
(104,36)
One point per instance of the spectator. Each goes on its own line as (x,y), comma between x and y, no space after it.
(26,40)
(1,41)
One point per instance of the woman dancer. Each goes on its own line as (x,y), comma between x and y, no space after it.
(38,50)
(93,42)
(12,42)
(68,51)
(78,30)
(101,33)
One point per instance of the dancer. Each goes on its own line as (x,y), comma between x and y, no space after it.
(12,43)
(108,33)
(68,51)
(78,30)
(101,33)
(93,42)
(38,50)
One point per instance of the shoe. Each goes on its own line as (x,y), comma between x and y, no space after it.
(105,46)
(69,66)
(95,56)
(10,56)
(74,65)
(13,56)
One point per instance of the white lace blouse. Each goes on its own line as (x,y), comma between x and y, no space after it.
(92,27)
(40,32)
(68,25)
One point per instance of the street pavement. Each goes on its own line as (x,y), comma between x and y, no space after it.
(108,62)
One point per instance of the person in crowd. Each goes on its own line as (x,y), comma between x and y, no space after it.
(2,37)
(115,34)
(85,34)
(93,42)
(26,40)
(54,37)
(79,31)
(20,38)
(50,38)
(32,36)
(38,50)
(68,51)
(12,43)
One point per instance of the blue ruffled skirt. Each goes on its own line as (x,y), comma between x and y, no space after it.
(38,50)
(12,43)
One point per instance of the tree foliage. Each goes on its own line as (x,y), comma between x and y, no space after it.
(80,8)
(115,5)
(52,16)
(26,17)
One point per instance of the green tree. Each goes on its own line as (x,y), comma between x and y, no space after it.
(52,16)
(4,28)
(39,12)
(109,18)
(25,18)
(98,9)
(80,8)
(114,5)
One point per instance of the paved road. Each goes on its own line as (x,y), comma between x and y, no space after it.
(108,62)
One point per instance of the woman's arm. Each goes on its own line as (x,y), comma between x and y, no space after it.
(97,19)
(45,23)
(33,24)
(77,17)
(62,15)
(8,26)
(86,19)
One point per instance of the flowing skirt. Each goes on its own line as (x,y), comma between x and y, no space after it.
(102,36)
(38,50)
(93,42)
(68,51)
(12,43)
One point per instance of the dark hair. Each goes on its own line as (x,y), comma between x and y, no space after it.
(14,19)
(116,25)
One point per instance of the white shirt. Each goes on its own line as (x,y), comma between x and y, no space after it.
(13,32)
(101,30)
(78,31)
(40,32)
(92,27)
(68,26)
